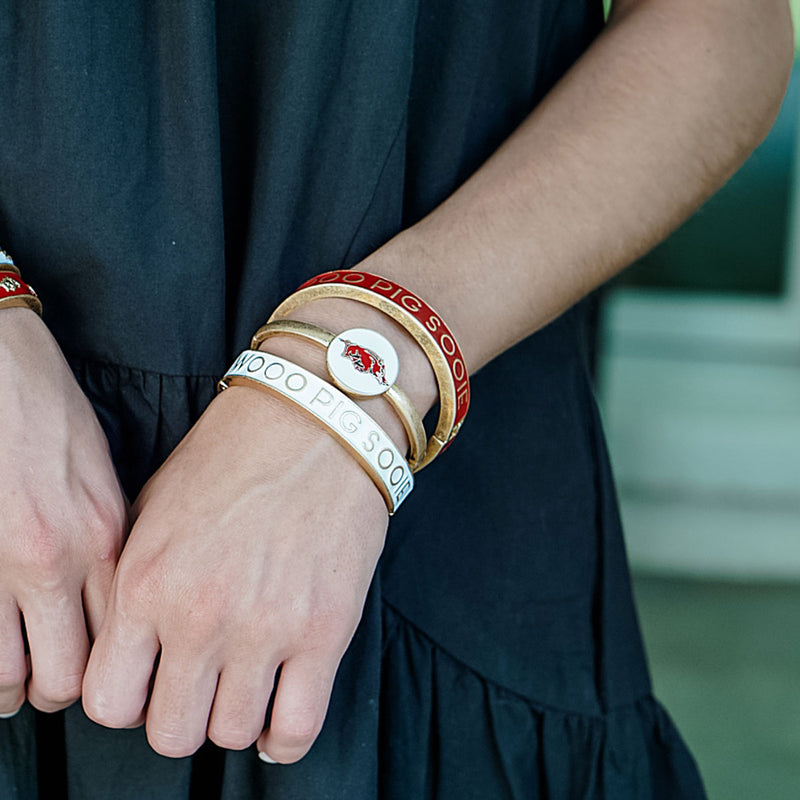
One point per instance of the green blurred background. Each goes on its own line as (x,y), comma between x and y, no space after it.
(699,382)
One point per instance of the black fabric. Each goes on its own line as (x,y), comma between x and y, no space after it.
(168,173)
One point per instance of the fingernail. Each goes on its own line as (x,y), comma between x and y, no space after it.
(264,757)
(12,714)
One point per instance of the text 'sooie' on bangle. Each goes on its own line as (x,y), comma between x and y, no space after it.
(15,292)
(420,320)
(7,263)
(359,371)
(351,426)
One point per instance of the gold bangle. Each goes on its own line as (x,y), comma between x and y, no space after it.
(398,399)
(445,430)
(19,294)
(22,301)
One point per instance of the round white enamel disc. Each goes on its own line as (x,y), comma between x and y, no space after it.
(362,363)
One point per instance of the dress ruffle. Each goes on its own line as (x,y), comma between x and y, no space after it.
(489,741)
(443,733)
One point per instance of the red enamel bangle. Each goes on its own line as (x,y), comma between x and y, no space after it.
(15,292)
(422,323)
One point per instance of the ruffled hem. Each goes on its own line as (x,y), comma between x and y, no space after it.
(434,730)
(448,733)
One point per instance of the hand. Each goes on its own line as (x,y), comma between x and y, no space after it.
(252,548)
(62,523)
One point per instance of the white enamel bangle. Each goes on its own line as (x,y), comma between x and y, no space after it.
(351,426)
(396,397)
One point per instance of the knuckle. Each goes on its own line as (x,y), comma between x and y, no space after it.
(137,584)
(106,549)
(9,710)
(230,738)
(104,714)
(44,558)
(52,542)
(97,711)
(172,745)
(63,691)
(297,730)
(11,678)
(188,615)
(50,702)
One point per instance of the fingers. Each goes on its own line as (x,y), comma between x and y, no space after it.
(117,679)
(301,702)
(56,613)
(179,707)
(59,647)
(240,706)
(191,700)
(13,666)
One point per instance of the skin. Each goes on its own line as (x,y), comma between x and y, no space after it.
(655,116)
(63,521)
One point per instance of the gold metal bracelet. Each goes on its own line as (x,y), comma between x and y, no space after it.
(399,400)
(22,301)
(445,429)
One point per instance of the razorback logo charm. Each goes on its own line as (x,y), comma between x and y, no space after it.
(9,284)
(362,362)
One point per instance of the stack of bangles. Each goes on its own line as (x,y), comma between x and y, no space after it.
(13,290)
(361,364)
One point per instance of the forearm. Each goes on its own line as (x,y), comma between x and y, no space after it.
(655,116)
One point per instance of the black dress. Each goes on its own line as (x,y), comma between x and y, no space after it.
(168,173)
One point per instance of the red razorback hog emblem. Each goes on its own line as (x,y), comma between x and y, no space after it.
(365,360)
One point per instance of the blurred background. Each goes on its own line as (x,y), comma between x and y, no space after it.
(699,382)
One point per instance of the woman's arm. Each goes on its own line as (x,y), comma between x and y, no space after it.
(254,545)
(656,116)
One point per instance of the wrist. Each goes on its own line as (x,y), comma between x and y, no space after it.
(349,429)
(20,329)
(354,311)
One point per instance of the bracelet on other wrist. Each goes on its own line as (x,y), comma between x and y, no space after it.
(349,424)
(15,292)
